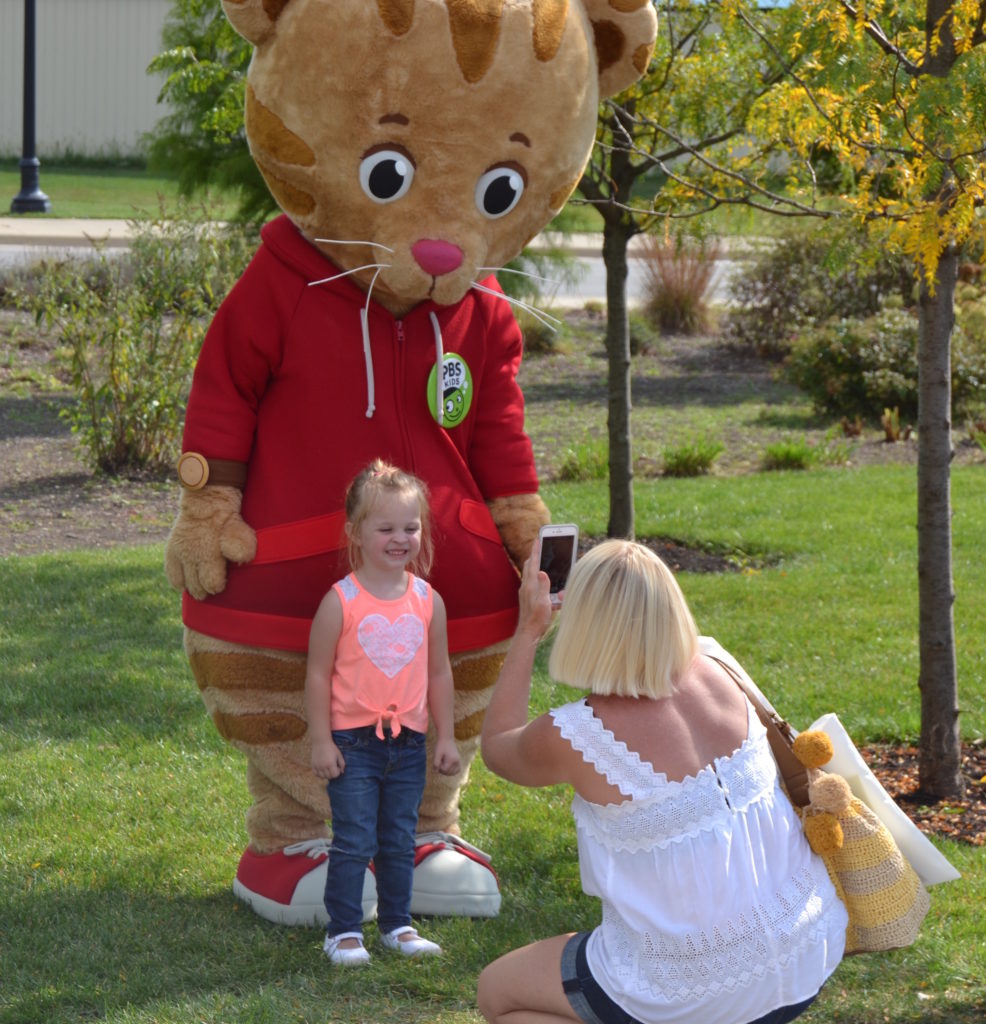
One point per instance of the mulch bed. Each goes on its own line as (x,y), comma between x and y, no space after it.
(963,819)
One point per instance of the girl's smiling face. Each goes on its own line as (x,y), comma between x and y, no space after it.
(390,535)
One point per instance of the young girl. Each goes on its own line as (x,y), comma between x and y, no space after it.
(377,665)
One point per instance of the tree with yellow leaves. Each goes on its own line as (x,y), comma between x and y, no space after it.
(896,91)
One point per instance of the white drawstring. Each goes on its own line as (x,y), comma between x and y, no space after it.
(368,358)
(309,847)
(439,361)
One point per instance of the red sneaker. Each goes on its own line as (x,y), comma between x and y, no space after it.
(288,887)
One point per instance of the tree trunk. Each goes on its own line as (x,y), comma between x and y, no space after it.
(616,238)
(940,746)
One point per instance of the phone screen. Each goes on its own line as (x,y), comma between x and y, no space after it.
(556,560)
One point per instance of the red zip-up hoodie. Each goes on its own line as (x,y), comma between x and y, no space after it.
(283,383)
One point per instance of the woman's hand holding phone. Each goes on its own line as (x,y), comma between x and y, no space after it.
(558,544)
(536,609)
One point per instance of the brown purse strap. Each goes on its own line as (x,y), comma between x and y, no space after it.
(780,732)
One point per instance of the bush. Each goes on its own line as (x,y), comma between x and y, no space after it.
(133,326)
(588,460)
(544,334)
(803,278)
(977,433)
(644,339)
(789,455)
(861,367)
(203,140)
(693,459)
(678,276)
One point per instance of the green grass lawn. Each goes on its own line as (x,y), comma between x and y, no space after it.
(92,191)
(121,810)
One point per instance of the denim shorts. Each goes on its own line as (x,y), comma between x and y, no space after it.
(593,1006)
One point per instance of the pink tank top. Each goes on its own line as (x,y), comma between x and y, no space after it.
(381,661)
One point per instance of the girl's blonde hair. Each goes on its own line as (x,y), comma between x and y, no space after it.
(625,627)
(368,487)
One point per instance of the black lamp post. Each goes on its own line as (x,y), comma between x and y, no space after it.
(30,199)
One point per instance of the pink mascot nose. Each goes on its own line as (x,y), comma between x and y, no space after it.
(436,257)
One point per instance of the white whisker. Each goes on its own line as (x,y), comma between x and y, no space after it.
(547,319)
(353,241)
(523,273)
(346,273)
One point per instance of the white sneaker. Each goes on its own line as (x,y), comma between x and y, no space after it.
(346,957)
(452,878)
(414,945)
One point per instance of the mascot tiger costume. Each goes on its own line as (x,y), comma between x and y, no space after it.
(414,147)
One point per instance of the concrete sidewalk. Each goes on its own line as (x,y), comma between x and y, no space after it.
(27,229)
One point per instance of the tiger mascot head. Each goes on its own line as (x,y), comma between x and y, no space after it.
(427,141)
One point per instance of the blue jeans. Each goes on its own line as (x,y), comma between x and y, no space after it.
(375,805)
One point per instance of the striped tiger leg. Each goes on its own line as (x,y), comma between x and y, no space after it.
(256,700)
(474,673)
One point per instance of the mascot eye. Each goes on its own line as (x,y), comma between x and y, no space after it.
(386,174)
(499,190)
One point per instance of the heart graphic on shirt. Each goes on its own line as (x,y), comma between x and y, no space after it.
(391,645)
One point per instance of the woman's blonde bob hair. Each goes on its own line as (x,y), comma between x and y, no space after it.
(624,627)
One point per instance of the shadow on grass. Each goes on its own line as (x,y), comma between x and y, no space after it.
(81,955)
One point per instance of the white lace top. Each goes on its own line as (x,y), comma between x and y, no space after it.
(714,908)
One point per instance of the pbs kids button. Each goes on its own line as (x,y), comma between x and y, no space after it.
(456,390)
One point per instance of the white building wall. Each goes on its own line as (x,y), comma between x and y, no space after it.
(93,94)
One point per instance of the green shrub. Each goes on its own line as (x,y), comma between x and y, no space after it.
(861,367)
(692,459)
(588,460)
(132,326)
(202,139)
(851,367)
(644,339)
(803,278)
(542,337)
(802,454)
(789,455)
(977,432)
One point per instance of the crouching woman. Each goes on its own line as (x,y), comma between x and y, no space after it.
(714,908)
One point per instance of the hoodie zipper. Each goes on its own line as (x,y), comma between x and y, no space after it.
(400,367)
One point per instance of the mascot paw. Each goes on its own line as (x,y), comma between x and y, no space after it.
(452,878)
(288,887)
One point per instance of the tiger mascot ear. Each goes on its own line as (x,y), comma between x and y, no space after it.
(624,33)
(623,30)
(254,19)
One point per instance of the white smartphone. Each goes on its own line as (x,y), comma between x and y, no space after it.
(559,546)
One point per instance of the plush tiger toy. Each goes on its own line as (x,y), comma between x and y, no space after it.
(414,146)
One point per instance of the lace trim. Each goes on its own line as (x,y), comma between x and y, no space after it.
(766,938)
(624,768)
(661,812)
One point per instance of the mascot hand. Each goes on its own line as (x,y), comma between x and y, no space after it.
(207,533)
(518,518)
